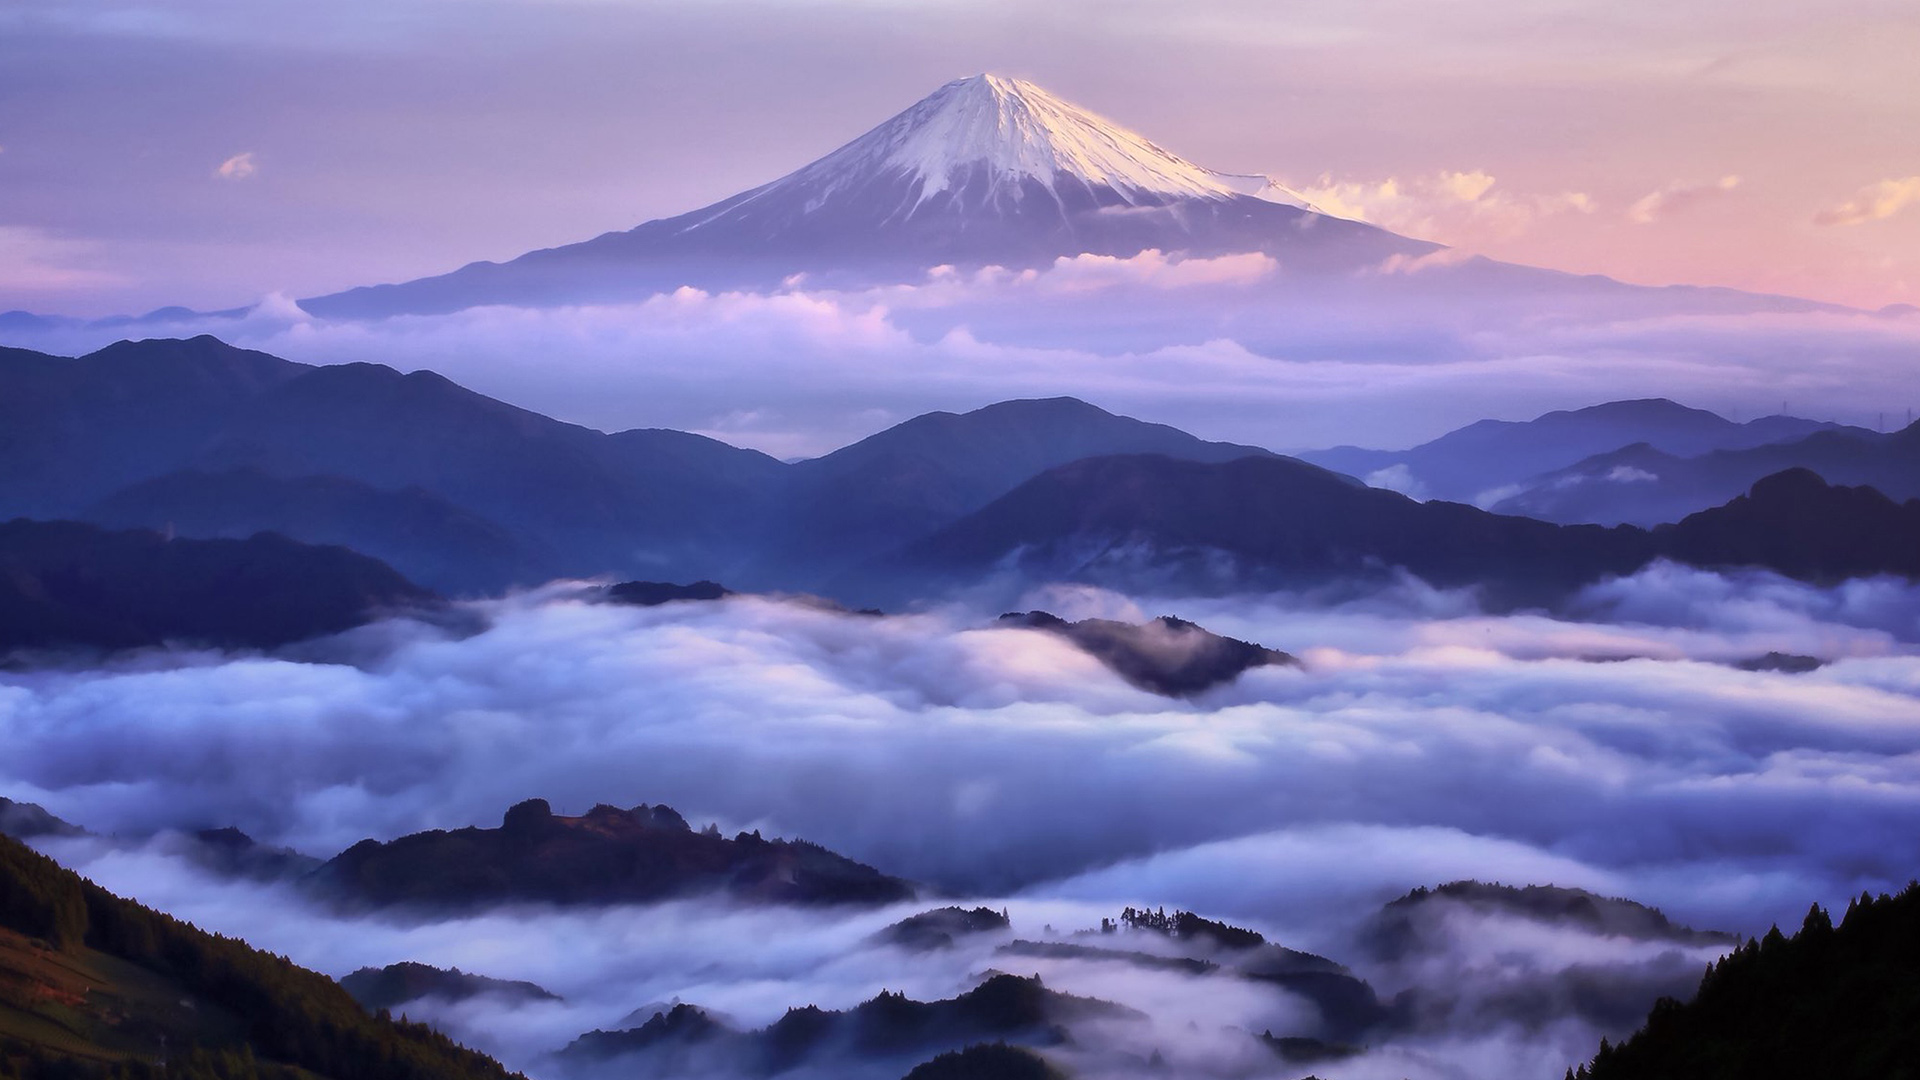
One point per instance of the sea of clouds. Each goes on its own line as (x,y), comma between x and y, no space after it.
(1421,741)
(1231,348)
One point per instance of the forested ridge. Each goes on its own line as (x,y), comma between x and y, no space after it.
(1838,1003)
(96,986)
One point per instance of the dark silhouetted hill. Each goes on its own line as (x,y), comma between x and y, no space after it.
(988,1061)
(1414,923)
(606,856)
(889,1027)
(69,585)
(1840,1003)
(1456,926)
(28,821)
(442,545)
(1154,521)
(1149,522)
(942,927)
(655,593)
(1166,656)
(395,985)
(1797,524)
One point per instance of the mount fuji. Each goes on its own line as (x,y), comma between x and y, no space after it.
(986,170)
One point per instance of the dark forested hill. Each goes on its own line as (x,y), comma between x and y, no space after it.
(1838,1003)
(1166,656)
(889,1027)
(606,856)
(65,585)
(94,986)
(1801,526)
(1146,521)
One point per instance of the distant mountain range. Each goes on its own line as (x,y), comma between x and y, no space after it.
(1494,460)
(1152,522)
(1629,462)
(468,495)
(1643,485)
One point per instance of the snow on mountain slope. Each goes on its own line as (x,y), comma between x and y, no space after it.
(1019,132)
(984,171)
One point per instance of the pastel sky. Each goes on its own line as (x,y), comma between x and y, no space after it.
(207,152)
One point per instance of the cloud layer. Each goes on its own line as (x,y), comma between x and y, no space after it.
(1422,742)
(1230,348)
(1621,754)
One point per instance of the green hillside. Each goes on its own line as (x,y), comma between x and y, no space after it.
(94,986)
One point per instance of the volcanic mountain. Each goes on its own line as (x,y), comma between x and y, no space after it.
(986,170)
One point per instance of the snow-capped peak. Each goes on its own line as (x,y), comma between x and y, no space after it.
(1020,132)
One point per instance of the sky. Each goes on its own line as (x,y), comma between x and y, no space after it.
(211,152)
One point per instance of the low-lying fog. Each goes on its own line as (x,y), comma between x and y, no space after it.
(1623,752)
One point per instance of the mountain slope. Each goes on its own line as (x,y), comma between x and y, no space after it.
(601,502)
(919,475)
(92,985)
(412,467)
(65,585)
(1841,1003)
(470,494)
(1643,486)
(1795,523)
(441,545)
(72,430)
(1150,522)
(1466,464)
(984,170)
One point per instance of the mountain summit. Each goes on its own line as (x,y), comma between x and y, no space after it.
(985,170)
(991,141)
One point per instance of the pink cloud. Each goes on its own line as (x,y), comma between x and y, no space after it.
(1872,203)
(1677,197)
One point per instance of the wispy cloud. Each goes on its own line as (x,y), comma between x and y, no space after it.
(1872,203)
(238,167)
(1457,207)
(1677,197)
(34,260)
